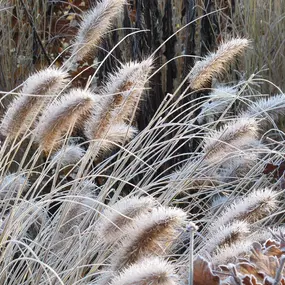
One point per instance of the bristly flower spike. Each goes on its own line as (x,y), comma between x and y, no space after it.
(151,234)
(151,270)
(121,215)
(216,64)
(231,137)
(94,24)
(38,90)
(125,87)
(63,114)
(250,208)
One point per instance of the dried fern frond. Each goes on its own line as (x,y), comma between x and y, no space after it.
(230,137)
(61,115)
(151,270)
(127,85)
(25,107)
(215,64)
(151,234)
(121,215)
(93,26)
(251,208)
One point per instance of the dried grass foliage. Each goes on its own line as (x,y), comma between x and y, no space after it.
(86,197)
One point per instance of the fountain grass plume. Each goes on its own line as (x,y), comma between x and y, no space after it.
(219,99)
(38,90)
(61,116)
(216,64)
(11,184)
(116,135)
(151,234)
(270,108)
(121,215)
(94,24)
(250,208)
(226,235)
(151,270)
(232,136)
(127,85)
(68,155)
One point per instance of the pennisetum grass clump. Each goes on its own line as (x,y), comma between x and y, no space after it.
(91,194)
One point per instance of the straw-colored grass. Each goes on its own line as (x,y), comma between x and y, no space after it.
(89,198)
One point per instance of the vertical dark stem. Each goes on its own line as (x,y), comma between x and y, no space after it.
(209,28)
(167,31)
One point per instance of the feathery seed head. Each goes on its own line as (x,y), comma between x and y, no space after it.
(226,235)
(267,108)
(216,63)
(24,108)
(230,253)
(151,270)
(61,115)
(48,81)
(77,210)
(232,136)
(251,208)
(219,100)
(151,234)
(126,85)
(94,24)
(30,216)
(69,155)
(116,134)
(122,214)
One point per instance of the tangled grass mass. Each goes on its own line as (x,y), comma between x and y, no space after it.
(87,199)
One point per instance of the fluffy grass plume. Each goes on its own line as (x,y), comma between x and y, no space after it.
(74,212)
(121,215)
(127,85)
(68,155)
(25,107)
(151,234)
(219,100)
(95,23)
(227,235)
(250,208)
(151,270)
(117,104)
(61,115)
(113,136)
(215,64)
(269,108)
(230,253)
(232,136)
